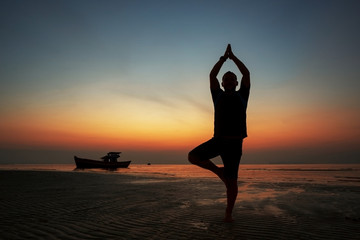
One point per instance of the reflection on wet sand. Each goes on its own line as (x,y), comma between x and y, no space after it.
(178,200)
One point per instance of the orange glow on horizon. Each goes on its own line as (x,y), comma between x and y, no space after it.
(85,137)
(168,130)
(275,137)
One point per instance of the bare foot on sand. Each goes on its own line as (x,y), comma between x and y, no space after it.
(228,218)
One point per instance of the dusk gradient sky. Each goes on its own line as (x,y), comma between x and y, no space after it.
(96,76)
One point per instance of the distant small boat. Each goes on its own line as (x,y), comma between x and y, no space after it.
(109,162)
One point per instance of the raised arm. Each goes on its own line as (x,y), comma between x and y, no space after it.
(214,82)
(245,81)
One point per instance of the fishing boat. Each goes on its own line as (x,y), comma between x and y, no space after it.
(109,161)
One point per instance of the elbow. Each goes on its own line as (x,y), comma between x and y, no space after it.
(246,74)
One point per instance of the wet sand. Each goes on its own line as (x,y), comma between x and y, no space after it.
(101,205)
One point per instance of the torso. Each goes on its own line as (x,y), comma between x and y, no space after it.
(230,113)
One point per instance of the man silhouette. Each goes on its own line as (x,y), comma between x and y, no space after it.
(229,128)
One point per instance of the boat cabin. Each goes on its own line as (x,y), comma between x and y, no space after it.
(111,157)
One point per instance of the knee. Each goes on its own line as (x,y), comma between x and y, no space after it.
(192,158)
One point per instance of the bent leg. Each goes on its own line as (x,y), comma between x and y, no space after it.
(202,154)
(207,164)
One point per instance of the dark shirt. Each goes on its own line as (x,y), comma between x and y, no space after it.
(230,112)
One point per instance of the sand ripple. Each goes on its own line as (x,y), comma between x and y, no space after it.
(80,205)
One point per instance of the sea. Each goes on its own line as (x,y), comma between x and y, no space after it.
(331,174)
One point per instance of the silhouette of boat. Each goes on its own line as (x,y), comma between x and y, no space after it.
(109,162)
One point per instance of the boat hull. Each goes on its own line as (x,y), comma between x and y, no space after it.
(88,163)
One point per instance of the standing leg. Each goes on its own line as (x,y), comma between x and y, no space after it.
(231,193)
(231,155)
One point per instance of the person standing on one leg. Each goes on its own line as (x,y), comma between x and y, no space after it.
(229,128)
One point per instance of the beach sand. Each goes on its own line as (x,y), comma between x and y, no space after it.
(100,205)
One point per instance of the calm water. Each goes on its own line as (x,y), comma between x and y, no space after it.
(332,174)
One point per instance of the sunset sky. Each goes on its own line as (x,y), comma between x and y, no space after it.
(95,76)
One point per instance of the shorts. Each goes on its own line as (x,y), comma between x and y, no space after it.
(230,151)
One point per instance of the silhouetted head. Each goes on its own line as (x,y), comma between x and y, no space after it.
(229,81)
